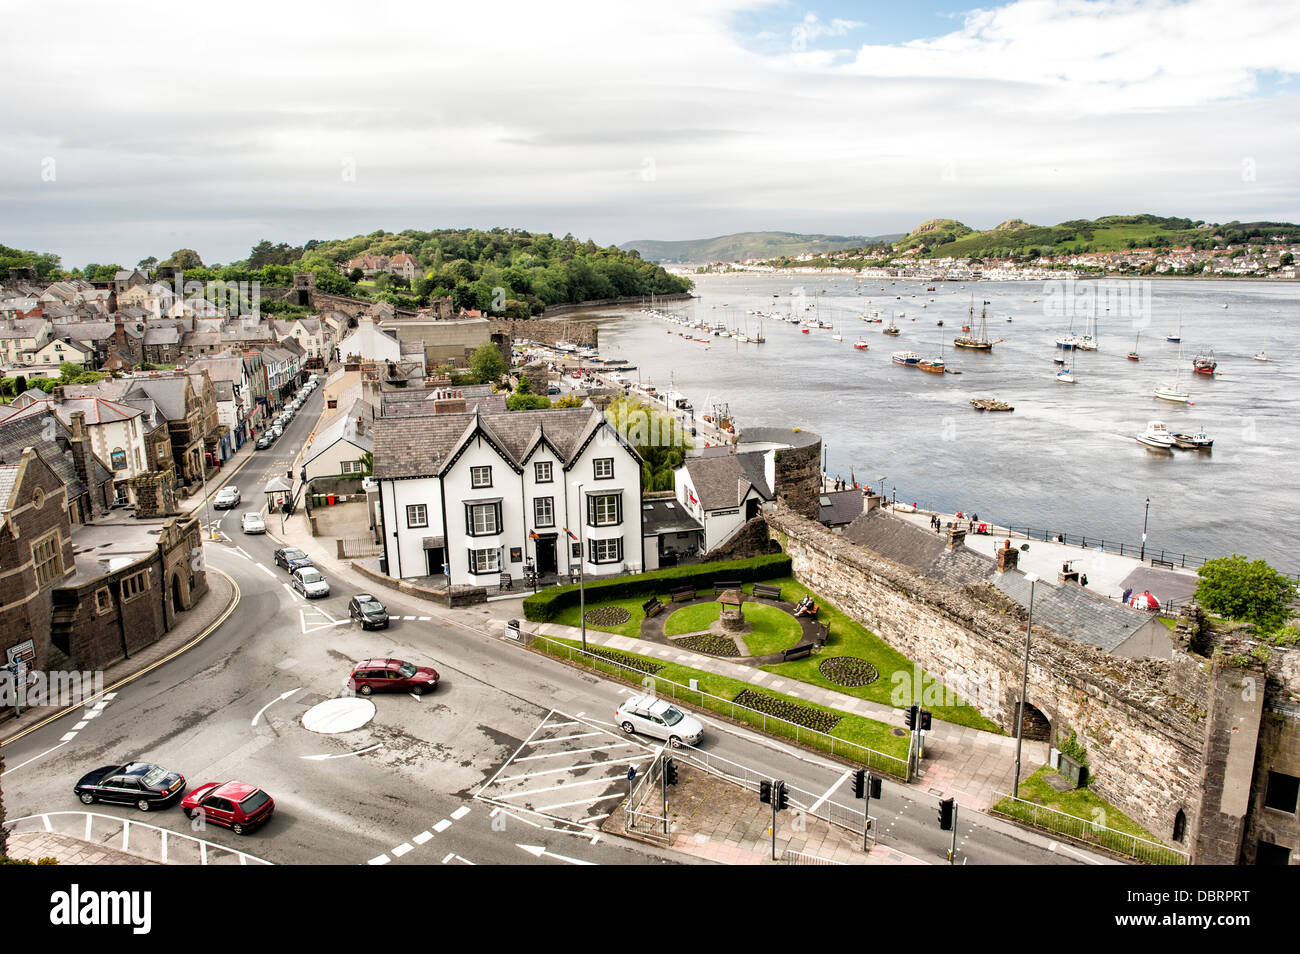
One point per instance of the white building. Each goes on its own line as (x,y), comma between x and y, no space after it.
(482,495)
(370,343)
(339,447)
(722,492)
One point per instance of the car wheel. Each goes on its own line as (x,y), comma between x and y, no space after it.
(419,690)
(365,690)
(238,829)
(675,742)
(189,812)
(142,804)
(87,798)
(627,727)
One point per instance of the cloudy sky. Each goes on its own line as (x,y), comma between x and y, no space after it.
(168,125)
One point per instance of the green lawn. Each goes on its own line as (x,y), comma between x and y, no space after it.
(632,628)
(673,679)
(850,638)
(692,619)
(774,629)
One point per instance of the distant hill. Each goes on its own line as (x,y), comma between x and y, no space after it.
(746,245)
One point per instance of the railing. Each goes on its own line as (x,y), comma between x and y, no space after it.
(773,725)
(648,825)
(352,548)
(803,858)
(173,846)
(1089,832)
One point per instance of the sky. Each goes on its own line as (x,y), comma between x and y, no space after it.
(173,125)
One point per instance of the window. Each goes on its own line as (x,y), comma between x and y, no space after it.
(417,515)
(544,511)
(542,472)
(485,561)
(1282,792)
(47,554)
(482,519)
(103,600)
(133,586)
(353,467)
(604,510)
(607,551)
(480,476)
(604,468)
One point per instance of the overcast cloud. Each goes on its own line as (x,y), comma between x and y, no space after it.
(140,128)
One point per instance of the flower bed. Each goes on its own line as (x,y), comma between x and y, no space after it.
(625,659)
(806,716)
(708,643)
(848,671)
(608,616)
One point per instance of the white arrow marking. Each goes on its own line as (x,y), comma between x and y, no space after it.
(537,851)
(279,698)
(344,755)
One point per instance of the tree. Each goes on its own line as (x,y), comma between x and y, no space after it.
(525,400)
(147,263)
(1250,591)
(184,258)
(487,364)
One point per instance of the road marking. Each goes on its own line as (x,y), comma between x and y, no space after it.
(570,768)
(603,780)
(563,725)
(15,768)
(262,567)
(279,698)
(450,855)
(460,813)
(343,755)
(581,801)
(402,849)
(504,811)
(422,837)
(408,617)
(381,860)
(830,791)
(425,619)
(68,737)
(240,551)
(537,851)
(442,826)
(81,725)
(565,738)
(557,755)
(592,818)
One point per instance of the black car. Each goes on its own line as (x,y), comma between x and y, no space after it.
(369,611)
(141,784)
(291,558)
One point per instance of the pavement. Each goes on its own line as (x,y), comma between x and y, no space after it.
(66,850)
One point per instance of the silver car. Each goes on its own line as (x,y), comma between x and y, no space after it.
(310,582)
(656,717)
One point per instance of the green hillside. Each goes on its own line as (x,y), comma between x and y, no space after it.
(747,245)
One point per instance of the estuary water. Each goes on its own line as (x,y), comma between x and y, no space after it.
(1066,459)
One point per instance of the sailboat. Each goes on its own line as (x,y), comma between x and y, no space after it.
(973,342)
(1066,374)
(1133,355)
(1166,391)
(892,329)
(1178,336)
(1089,340)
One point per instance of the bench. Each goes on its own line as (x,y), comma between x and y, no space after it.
(652,606)
(683,593)
(720,586)
(797,652)
(767,591)
(1167,564)
(506,581)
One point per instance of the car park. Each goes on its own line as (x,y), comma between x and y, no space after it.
(291,558)
(391,675)
(310,582)
(226,498)
(234,805)
(648,715)
(368,611)
(252,522)
(142,784)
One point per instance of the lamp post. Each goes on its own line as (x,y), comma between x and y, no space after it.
(1024,681)
(1143,555)
(582,570)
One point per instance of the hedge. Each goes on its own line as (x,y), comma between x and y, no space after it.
(542,607)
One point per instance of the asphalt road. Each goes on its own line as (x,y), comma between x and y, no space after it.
(401,789)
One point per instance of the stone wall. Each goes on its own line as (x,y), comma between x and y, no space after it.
(1143,722)
(547,332)
(798,478)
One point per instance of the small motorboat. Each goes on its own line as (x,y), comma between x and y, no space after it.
(1204,363)
(1262,357)
(860,345)
(1157,436)
(905,357)
(1198,441)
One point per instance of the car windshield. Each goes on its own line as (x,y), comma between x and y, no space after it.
(407,669)
(372,606)
(154,777)
(255,801)
(672,716)
(252,518)
(293,553)
(311,576)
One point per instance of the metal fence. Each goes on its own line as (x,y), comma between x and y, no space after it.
(158,844)
(352,548)
(1089,832)
(803,858)
(773,725)
(648,825)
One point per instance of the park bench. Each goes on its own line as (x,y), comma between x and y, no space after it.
(652,606)
(767,591)
(720,586)
(683,593)
(797,652)
(1167,564)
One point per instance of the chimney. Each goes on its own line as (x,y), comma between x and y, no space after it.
(956,537)
(81,460)
(361,425)
(1008,557)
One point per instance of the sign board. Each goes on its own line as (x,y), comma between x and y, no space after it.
(516,554)
(23,652)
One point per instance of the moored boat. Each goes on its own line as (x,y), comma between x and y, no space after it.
(1157,436)
(1198,441)
(1204,363)
(905,357)
(860,345)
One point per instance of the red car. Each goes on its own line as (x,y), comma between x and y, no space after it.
(233,805)
(392,675)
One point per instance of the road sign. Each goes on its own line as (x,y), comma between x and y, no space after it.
(631,772)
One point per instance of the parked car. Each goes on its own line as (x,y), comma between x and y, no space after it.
(392,675)
(226,498)
(291,558)
(310,582)
(264,441)
(368,611)
(142,784)
(276,432)
(656,717)
(253,523)
(234,805)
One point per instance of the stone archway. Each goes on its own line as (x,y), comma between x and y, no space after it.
(178,595)
(1036,726)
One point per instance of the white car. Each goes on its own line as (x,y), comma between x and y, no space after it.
(226,498)
(649,715)
(309,582)
(253,523)
(278,431)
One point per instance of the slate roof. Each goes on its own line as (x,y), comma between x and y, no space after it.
(666,516)
(840,507)
(343,428)
(1069,611)
(8,477)
(28,430)
(96,409)
(722,482)
(162,336)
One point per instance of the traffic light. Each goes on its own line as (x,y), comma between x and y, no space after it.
(925,720)
(670,772)
(781,797)
(859,783)
(910,716)
(945,814)
(765,792)
(875,786)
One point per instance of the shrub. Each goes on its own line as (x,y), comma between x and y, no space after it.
(542,607)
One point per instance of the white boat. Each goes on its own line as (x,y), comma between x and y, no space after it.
(1171,392)
(905,357)
(1261,357)
(1193,441)
(1157,435)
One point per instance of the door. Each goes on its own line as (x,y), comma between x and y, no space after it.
(546,562)
(434,559)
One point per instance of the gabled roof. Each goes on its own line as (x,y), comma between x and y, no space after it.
(30,430)
(722,482)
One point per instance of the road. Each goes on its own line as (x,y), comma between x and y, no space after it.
(402,788)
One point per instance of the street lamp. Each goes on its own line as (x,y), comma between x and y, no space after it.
(1143,555)
(1024,681)
(582,597)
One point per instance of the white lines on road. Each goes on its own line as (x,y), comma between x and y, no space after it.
(569,768)
(460,813)
(425,619)
(342,755)
(565,738)
(560,755)
(423,838)
(442,826)
(241,552)
(262,567)
(537,851)
(381,860)
(279,698)
(15,768)
(581,801)
(830,791)
(87,714)
(402,849)
(452,854)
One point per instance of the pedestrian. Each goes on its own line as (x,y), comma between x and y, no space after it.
(1083,580)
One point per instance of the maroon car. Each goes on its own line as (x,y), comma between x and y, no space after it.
(233,805)
(391,675)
